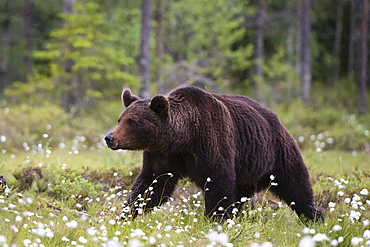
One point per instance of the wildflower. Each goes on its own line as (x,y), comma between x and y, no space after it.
(266,244)
(18,218)
(2,138)
(320,237)
(49,233)
(14,228)
(337,228)
(230,223)
(354,215)
(243,199)
(137,233)
(366,234)
(91,231)
(364,192)
(167,228)
(28,214)
(152,240)
(2,240)
(306,241)
(331,206)
(340,193)
(132,243)
(72,224)
(257,235)
(356,241)
(221,238)
(334,242)
(272,177)
(65,239)
(82,240)
(26,242)
(338,184)
(209,180)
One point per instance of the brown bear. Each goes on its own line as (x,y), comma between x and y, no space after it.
(228,145)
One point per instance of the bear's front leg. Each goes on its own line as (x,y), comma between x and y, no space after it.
(219,190)
(153,186)
(219,200)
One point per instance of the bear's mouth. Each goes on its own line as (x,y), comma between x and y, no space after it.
(113,148)
(119,147)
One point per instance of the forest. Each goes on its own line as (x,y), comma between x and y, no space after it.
(76,53)
(64,64)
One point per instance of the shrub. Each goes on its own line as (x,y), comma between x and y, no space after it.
(73,186)
(23,126)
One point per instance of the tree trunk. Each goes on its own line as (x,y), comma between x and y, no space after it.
(354,37)
(305,51)
(364,54)
(4,48)
(68,6)
(27,22)
(144,61)
(159,44)
(259,49)
(68,94)
(338,40)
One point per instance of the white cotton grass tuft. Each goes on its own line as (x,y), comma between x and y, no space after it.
(221,238)
(364,192)
(366,234)
(2,240)
(306,241)
(319,237)
(337,228)
(356,241)
(72,224)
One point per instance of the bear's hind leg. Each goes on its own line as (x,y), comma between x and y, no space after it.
(298,195)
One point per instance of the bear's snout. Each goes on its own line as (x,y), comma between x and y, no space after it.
(109,140)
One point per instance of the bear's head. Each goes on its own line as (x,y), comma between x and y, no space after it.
(141,125)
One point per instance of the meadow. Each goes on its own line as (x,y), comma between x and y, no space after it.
(70,194)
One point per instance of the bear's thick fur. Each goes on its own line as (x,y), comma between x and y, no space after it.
(228,145)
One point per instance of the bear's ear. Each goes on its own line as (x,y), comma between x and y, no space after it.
(128,98)
(160,105)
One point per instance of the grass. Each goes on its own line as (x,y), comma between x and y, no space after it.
(81,213)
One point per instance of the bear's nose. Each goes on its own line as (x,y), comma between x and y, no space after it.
(109,139)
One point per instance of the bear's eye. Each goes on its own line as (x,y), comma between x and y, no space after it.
(130,122)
